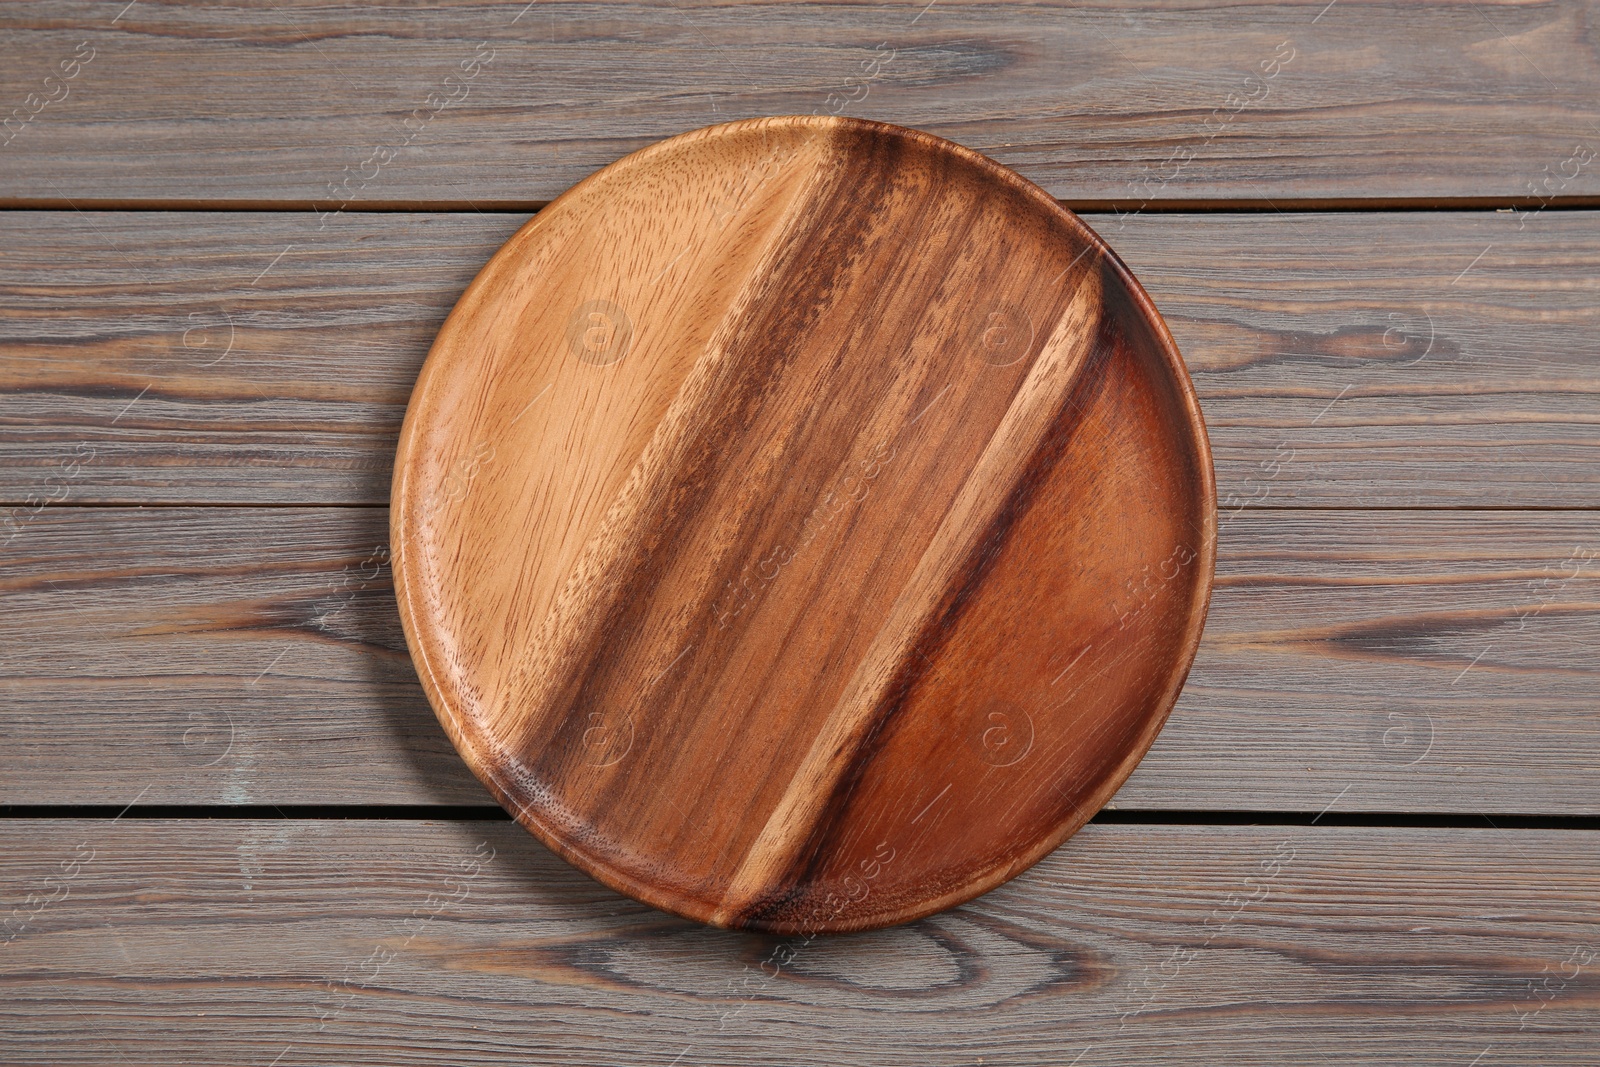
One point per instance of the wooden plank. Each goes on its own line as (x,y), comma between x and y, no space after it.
(1342,360)
(313,942)
(1379,360)
(473,102)
(240,657)
(1392,661)
(231,358)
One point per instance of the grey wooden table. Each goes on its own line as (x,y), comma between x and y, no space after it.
(233,831)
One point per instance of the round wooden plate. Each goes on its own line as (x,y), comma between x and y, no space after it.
(803,524)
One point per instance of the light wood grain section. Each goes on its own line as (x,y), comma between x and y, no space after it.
(316,942)
(1097,101)
(1341,359)
(1428,662)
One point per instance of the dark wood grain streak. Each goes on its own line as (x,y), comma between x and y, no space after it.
(831,836)
(1342,359)
(317,942)
(470,103)
(975,623)
(1430,662)
(817,260)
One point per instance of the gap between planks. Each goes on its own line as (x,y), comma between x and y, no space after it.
(357,505)
(1107,816)
(1242,205)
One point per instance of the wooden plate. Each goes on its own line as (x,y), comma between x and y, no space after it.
(803,524)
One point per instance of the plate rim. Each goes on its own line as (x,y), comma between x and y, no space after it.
(469,743)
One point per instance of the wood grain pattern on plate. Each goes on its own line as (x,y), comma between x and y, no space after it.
(803,524)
